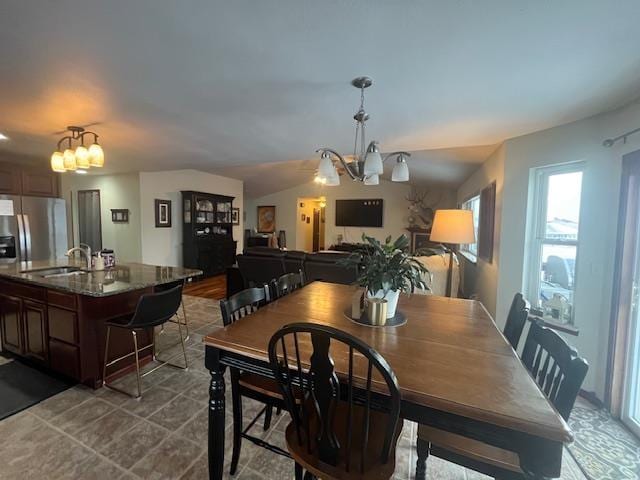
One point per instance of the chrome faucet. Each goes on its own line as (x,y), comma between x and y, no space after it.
(86,251)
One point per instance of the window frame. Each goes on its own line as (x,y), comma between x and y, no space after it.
(464,248)
(536,230)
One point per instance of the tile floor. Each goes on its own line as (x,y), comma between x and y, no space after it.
(86,434)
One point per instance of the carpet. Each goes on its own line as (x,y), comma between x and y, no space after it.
(603,447)
(22,386)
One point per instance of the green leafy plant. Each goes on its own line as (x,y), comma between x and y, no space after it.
(387,266)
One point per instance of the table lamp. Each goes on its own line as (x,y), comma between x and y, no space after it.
(452,227)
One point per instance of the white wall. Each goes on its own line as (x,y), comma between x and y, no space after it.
(395,210)
(578,141)
(163,246)
(481,278)
(116,191)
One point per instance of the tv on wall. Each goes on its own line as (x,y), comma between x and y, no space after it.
(359,213)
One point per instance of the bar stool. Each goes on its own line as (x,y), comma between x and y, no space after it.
(168,286)
(153,309)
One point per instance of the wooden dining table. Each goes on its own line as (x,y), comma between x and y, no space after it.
(455,369)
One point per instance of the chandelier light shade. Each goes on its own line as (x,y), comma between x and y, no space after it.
(400,170)
(80,159)
(96,156)
(367,164)
(70,160)
(333,180)
(57,162)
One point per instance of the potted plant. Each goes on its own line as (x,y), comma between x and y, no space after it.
(386,269)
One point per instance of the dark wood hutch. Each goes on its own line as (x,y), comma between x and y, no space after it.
(207,231)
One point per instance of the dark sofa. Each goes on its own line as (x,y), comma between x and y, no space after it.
(259,265)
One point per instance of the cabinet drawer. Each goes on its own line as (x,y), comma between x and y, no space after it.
(18,289)
(61,299)
(64,358)
(63,325)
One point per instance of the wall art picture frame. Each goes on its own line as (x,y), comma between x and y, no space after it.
(266,219)
(163,213)
(235,216)
(120,215)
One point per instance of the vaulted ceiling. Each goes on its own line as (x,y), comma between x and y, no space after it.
(224,86)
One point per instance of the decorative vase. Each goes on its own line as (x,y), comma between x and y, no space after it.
(391,297)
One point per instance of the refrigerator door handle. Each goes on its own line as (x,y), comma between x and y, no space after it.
(22,254)
(27,237)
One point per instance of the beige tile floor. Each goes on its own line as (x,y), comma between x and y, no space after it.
(86,434)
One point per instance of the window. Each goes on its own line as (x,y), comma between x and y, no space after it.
(554,221)
(470,250)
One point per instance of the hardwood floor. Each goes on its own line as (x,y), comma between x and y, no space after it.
(214,288)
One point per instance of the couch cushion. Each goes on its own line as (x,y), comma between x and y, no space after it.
(264,252)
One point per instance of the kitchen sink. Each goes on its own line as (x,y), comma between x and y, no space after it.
(55,272)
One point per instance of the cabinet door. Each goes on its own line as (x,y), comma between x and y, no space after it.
(11,323)
(34,317)
(9,179)
(40,183)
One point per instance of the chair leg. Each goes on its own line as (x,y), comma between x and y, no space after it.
(236,400)
(106,357)
(135,346)
(184,350)
(267,417)
(278,410)
(298,471)
(186,323)
(421,464)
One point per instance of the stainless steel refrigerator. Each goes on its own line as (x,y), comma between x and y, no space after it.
(32,228)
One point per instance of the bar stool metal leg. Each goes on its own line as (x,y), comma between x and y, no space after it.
(135,346)
(106,356)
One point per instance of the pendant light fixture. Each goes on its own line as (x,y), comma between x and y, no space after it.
(367,164)
(82,157)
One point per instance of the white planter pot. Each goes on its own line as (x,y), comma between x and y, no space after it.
(392,300)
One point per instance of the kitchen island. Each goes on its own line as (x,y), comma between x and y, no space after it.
(53,313)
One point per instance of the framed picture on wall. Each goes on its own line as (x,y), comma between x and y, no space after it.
(163,213)
(266,219)
(235,216)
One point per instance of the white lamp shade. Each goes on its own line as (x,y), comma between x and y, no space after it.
(96,155)
(453,227)
(373,164)
(82,157)
(69,159)
(326,168)
(57,162)
(400,172)
(372,180)
(333,180)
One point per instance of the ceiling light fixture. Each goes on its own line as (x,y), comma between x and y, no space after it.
(367,164)
(80,159)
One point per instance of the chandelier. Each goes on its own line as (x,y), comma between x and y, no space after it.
(80,159)
(366,165)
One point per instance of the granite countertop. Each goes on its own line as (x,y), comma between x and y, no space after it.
(124,277)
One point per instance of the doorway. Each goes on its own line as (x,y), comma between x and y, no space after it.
(310,224)
(623,392)
(89,219)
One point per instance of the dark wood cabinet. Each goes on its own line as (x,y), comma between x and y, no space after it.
(39,183)
(18,179)
(34,318)
(208,243)
(11,323)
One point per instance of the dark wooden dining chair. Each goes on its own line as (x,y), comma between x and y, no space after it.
(335,432)
(287,283)
(249,385)
(516,319)
(558,371)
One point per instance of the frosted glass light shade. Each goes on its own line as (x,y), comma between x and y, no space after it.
(333,180)
(57,162)
(453,226)
(400,172)
(69,160)
(373,163)
(326,168)
(96,155)
(372,180)
(82,157)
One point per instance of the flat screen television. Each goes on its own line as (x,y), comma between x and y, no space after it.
(359,213)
